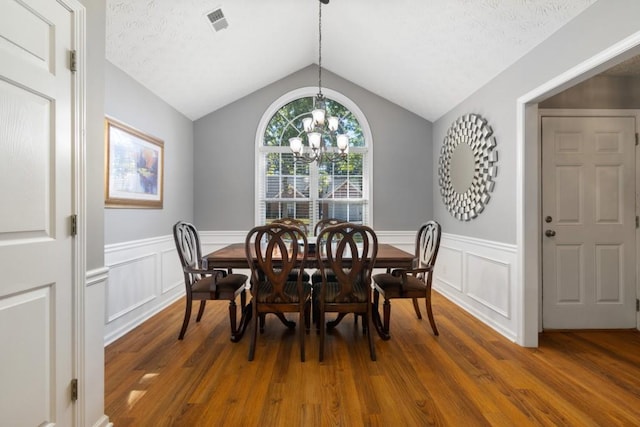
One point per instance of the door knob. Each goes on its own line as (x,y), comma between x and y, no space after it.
(549,233)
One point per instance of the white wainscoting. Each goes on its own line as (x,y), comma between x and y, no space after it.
(145,277)
(479,276)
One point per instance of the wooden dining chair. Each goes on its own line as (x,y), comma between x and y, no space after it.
(348,251)
(202,284)
(273,251)
(412,283)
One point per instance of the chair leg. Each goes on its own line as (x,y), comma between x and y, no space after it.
(372,348)
(316,315)
(232,318)
(307,316)
(322,334)
(416,308)
(254,334)
(427,302)
(185,322)
(243,299)
(262,320)
(201,310)
(303,318)
(386,308)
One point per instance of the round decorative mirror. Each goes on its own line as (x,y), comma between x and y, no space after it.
(467,166)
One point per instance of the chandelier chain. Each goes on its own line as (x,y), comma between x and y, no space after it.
(321,130)
(320,49)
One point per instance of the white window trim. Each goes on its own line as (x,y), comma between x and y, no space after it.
(302,93)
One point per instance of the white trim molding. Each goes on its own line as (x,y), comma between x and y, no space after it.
(480,277)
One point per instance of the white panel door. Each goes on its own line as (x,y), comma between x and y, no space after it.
(588,222)
(36,261)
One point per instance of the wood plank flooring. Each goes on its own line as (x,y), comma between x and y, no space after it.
(468,376)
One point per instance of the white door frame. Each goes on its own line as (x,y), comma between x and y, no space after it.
(528,192)
(79,204)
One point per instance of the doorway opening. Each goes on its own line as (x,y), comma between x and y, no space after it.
(528,197)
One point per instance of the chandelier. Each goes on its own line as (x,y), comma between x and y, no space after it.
(320,130)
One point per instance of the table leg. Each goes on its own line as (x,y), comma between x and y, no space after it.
(377,322)
(247,313)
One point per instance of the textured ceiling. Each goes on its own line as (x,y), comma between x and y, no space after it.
(424,55)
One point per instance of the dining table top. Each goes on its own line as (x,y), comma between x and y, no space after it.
(233,256)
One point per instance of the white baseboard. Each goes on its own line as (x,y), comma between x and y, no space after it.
(103,422)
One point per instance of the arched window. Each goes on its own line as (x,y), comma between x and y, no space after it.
(310,192)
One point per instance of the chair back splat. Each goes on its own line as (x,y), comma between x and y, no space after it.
(274,252)
(347,254)
(202,284)
(427,244)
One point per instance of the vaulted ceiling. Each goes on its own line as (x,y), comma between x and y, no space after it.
(424,55)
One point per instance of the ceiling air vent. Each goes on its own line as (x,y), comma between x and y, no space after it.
(217,19)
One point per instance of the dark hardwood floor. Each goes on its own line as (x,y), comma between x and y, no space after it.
(468,376)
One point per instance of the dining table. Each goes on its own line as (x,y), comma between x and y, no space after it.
(234,256)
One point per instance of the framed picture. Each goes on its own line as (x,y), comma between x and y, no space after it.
(133,167)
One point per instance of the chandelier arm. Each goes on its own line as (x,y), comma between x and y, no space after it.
(306,158)
(334,157)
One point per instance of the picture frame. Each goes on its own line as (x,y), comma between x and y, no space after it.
(134,167)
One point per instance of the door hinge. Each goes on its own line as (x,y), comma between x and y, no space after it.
(637,221)
(637,305)
(73,63)
(74,389)
(636,138)
(74,224)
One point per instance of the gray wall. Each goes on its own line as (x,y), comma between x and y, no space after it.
(129,102)
(225,157)
(597,28)
(94,132)
(603,92)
